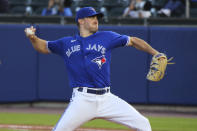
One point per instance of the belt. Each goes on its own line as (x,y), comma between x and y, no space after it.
(94,91)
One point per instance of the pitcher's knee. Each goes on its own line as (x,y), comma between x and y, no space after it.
(145,125)
(140,124)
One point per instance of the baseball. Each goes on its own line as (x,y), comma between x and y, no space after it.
(29,31)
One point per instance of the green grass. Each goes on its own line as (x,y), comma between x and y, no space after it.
(157,123)
(173,123)
(103,124)
(28,118)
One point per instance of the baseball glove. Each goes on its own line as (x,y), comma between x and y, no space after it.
(158,67)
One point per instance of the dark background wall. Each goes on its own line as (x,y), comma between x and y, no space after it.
(27,76)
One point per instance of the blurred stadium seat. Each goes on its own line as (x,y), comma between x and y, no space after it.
(84,3)
(115,8)
(20,6)
(17,6)
(38,10)
(93,3)
(19,9)
(38,6)
(17,2)
(111,8)
(116,12)
(39,3)
(193,8)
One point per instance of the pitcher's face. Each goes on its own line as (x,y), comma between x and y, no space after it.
(91,24)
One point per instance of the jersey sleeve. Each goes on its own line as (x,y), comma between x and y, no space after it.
(118,40)
(55,46)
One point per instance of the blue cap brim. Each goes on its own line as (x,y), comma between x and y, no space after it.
(99,15)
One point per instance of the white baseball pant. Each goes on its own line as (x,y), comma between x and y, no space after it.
(85,106)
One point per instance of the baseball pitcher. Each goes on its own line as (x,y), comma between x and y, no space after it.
(87,56)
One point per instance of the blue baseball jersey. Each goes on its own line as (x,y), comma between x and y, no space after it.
(88,58)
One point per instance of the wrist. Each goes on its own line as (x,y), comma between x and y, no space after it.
(155,52)
(33,37)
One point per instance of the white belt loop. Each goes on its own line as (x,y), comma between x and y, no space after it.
(85,89)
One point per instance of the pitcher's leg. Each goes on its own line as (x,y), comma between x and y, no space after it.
(119,111)
(78,112)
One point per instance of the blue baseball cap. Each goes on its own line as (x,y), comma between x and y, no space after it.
(87,12)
